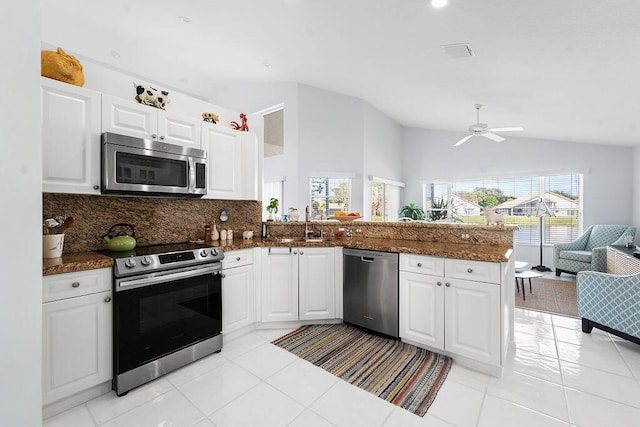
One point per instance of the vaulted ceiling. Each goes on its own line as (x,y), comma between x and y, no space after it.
(565,70)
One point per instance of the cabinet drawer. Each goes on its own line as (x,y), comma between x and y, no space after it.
(478,271)
(422,264)
(69,285)
(237,258)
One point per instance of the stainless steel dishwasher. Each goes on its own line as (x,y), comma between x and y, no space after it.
(371,290)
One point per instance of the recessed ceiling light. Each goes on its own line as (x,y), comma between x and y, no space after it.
(114,54)
(185,19)
(267,64)
(439,3)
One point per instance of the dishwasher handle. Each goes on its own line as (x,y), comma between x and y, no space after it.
(366,259)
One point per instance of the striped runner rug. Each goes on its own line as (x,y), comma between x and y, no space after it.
(400,373)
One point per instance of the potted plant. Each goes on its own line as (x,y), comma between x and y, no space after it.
(272,208)
(412,211)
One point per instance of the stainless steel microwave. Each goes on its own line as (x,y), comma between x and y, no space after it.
(137,166)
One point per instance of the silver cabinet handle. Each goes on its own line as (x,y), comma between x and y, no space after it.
(447,284)
(96,187)
(107,299)
(301,253)
(439,283)
(469,270)
(419,264)
(162,137)
(295,252)
(154,136)
(75,284)
(238,259)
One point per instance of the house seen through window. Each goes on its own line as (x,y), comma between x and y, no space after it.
(519,199)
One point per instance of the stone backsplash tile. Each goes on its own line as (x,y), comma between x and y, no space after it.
(157,220)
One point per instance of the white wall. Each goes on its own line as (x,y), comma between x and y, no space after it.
(636,189)
(324,132)
(331,139)
(382,151)
(608,171)
(20,187)
(252,97)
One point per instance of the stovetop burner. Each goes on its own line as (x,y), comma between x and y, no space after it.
(148,259)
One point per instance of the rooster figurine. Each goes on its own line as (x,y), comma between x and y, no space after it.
(244,126)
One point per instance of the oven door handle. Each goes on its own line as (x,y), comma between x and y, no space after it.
(160,277)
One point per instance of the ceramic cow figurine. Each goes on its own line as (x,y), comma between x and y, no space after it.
(492,217)
(151,96)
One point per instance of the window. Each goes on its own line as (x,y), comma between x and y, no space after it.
(329,195)
(518,199)
(273,187)
(385,199)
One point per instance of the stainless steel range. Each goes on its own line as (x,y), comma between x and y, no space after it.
(167,310)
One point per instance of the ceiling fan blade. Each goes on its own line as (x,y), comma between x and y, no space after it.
(508,129)
(493,136)
(463,140)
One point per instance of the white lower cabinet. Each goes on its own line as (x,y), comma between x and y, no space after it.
(316,284)
(472,320)
(461,317)
(238,290)
(298,284)
(422,309)
(76,333)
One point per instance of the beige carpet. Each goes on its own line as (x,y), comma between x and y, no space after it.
(552,296)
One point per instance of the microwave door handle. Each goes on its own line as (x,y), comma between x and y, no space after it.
(192,176)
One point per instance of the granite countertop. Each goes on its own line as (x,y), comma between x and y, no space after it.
(75,261)
(79,261)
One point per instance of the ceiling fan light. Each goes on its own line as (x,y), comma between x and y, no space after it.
(439,3)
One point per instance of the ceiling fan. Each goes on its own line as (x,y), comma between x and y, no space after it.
(482,129)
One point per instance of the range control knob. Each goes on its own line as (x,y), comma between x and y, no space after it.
(204,253)
(130,263)
(145,261)
(214,252)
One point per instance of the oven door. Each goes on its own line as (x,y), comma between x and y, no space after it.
(161,313)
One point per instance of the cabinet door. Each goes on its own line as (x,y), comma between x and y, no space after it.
(70,139)
(129,118)
(316,283)
(422,309)
(238,298)
(251,170)
(224,159)
(76,335)
(472,319)
(279,284)
(180,130)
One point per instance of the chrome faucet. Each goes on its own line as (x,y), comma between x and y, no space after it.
(307,220)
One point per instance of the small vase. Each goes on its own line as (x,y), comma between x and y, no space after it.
(214,234)
(271,217)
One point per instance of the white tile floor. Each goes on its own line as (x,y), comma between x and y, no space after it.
(555,376)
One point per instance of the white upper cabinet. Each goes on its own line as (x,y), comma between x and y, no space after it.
(127,117)
(70,138)
(234,160)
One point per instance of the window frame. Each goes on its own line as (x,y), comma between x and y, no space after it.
(542,182)
(325,213)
